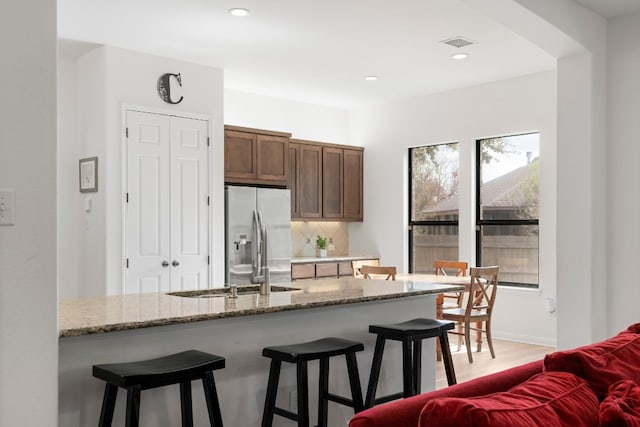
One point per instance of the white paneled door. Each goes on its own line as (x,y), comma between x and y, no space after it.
(167,218)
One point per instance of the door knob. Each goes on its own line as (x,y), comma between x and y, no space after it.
(175,263)
(165,263)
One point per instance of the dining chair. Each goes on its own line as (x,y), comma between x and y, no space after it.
(357,265)
(448,299)
(480,299)
(443,268)
(378,271)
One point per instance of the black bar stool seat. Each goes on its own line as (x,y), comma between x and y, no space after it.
(300,354)
(179,368)
(410,333)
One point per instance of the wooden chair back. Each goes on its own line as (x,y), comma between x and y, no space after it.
(482,292)
(356,265)
(369,270)
(443,267)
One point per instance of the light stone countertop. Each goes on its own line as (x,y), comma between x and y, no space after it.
(84,316)
(337,258)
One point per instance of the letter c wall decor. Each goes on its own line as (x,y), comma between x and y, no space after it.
(164,87)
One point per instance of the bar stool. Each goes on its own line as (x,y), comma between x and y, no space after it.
(411,334)
(177,368)
(300,354)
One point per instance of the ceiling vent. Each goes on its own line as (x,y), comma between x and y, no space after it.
(457,42)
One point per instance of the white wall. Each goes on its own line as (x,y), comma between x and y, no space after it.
(623,201)
(28,300)
(107,79)
(501,108)
(303,121)
(69,233)
(92,141)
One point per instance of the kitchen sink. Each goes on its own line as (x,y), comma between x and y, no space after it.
(222,292)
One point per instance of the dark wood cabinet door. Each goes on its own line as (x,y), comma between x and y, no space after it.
(332,182)
(273,158)
(345,268)
(353,188)
(310,181)
(303,271)
(292,182)
(240,155)
(326,269)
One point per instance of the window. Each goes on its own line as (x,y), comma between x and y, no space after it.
(507,207)
(433,205)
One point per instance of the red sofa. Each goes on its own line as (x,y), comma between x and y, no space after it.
(594,385)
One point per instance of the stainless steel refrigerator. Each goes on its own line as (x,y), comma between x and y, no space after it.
(258,234)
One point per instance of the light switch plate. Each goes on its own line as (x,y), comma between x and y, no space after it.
(7,207)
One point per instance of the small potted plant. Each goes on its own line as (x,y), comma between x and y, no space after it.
(321,246)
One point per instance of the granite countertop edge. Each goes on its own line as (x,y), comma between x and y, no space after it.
(124,326)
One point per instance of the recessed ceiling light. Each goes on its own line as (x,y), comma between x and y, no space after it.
(239,11)
(371,78)
(460,55)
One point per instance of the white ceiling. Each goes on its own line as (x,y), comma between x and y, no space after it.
(611,8)
(315,52)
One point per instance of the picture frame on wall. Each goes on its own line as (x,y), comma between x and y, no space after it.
(88,170)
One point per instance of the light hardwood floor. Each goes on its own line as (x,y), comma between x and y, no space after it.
(508,354)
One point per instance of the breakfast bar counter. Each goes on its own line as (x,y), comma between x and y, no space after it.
(137,327)
(83,316)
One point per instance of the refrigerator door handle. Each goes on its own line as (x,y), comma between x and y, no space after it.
(257,276)
(263,245)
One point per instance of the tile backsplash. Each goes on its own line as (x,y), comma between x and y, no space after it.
(303,237)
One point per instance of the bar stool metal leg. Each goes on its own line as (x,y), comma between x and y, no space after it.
(186,408)
(108,405)
(211,396)
(133,406)
(272,389)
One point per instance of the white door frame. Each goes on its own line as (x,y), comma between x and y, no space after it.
(124,178)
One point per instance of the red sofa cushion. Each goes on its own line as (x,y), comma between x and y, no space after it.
(621,408)
(548,399)
(406,412)
(602,364)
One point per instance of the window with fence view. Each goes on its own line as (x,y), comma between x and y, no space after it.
(507,207)
(433,205)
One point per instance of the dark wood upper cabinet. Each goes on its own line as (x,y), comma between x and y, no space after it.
(332,182)
(292,184)
(240,155)
(325,180)
(256,156)
(328,183)
(309,189)
(353,187)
